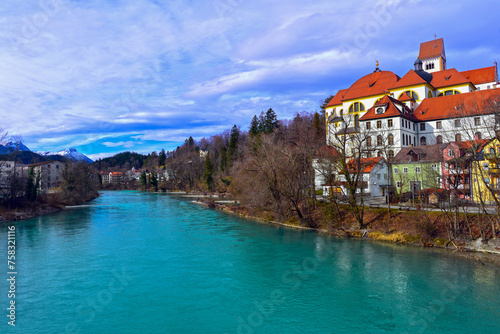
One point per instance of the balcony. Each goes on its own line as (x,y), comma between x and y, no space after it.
(494,171)
(459,171)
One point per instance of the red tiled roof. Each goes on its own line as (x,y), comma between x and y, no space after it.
(405,97)
(337,99)
(480,75)
(431,49)
(479,144)
(367,164)
(372,84)
(409,79)
(391,110)
(445,106)
(448,77)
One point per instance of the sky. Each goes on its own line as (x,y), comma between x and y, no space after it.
(111,76)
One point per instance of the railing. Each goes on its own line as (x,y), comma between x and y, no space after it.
(459,171)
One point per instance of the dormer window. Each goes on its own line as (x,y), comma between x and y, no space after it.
(379,110)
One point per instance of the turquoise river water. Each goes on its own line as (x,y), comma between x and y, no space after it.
(132,262)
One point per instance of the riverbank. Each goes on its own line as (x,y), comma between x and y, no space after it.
(23,213)
(421,229)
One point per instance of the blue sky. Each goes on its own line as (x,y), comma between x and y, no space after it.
(113,76)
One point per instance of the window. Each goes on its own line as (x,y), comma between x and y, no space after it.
(417,169)
(439,139)
(457,123)
(486,166)
(477,121)
(379,140)
(356,121)
(414,127)
(458,137)
(451,153)
(439,125)
(405,170)
(449,92)
(477,135)
(422,126)
(410,94)
(368,141)
(379,110)
(379,153)
(379,124)
(368,125)
(492,150)
(356,106)
(396,171)
(390,139)
(429,94)
(429,66)
(423,141)
(434,167)
(398,184)
(390,154)
(389,123)
(379,177)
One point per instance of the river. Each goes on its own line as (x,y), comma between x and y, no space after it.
(133,262)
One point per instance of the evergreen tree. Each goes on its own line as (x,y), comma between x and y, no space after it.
(254,126)
(144,179)
(162,157)
(209,171)
(233,144)
(190,141)
(154,181)
(32,185)
(317,123)
(223,159)
(270,121)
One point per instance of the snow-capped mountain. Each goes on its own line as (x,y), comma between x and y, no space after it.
(13,146)
(70,153)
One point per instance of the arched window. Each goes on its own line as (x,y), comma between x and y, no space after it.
(390,139)
(390,154)
(423,141)
(368,141)
(356,121)
(379,140)
(356,106)
(439,139)
(477,135)
(449,92)
(458,137)
(412,94)
(341,112)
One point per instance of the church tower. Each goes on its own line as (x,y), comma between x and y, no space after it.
(432,55)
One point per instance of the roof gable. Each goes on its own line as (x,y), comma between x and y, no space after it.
(391,110)
(450,77)
(367,164)
(425,153)
(337,99)
(375,83)
(410,79)
(431,49)
(450,106)
(480,75)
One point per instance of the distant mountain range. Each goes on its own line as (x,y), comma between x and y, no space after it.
(71,154)
(19,151)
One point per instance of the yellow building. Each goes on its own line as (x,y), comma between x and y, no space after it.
(486,174)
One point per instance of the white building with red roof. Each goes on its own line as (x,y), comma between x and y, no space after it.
(425,106)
